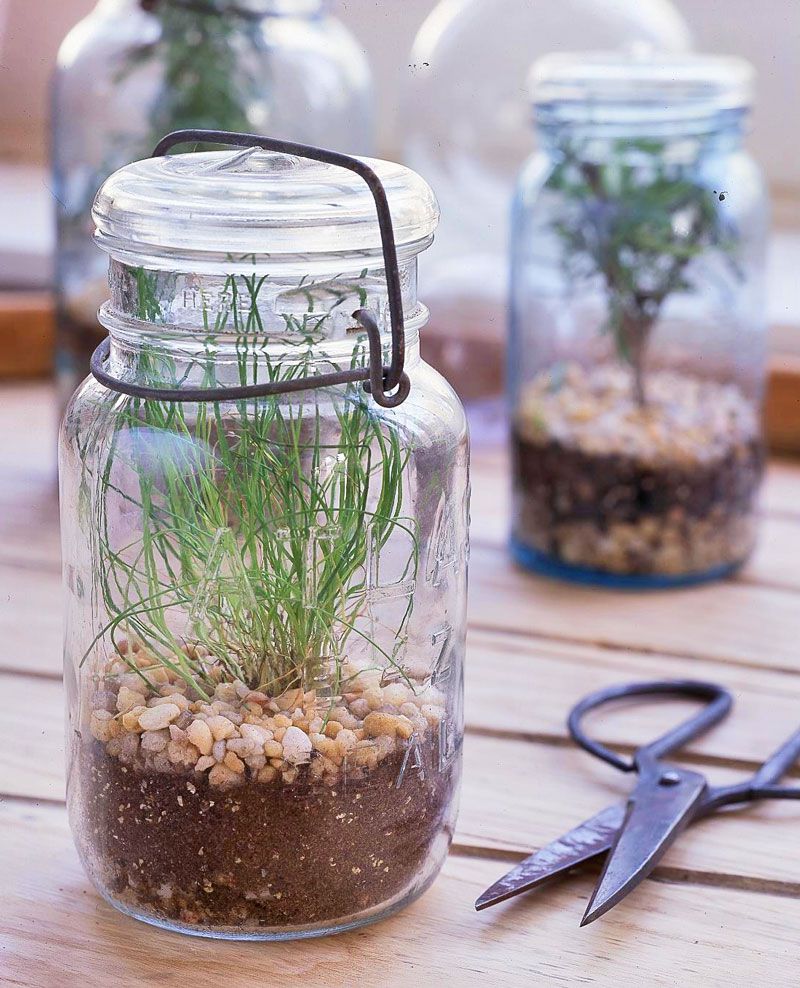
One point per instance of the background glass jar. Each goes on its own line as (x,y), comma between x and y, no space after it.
(265,599)
(465,129)
(637,325)
(134,69)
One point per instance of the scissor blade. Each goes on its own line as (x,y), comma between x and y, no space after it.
(583,842)
(656,815)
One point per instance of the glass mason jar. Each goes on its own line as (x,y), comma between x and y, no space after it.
(465,130)
(265,596)
(134,69)
(637,327)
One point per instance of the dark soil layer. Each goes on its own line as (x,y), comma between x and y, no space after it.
(561,490)
(564,484)
(261,855)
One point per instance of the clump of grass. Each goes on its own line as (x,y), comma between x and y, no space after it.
(256,523)
(637,221)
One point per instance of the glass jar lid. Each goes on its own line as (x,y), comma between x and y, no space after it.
(617,87)
(215,204)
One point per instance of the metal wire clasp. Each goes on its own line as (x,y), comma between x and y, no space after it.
(389,385)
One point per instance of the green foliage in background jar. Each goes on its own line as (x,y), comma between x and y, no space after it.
(204,51)
(255,524)
(636,221)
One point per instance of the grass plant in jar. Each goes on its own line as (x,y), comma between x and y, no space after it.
(264,514)
(636,356)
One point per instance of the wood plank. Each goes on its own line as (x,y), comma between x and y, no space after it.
(780,491)
(547,679)
(28,418)
(28,485)
(29,532)
(774,561)
(516,794)
(524,687)
(31,737)
(27,334)
(30,620)
(55,930)
(728,621)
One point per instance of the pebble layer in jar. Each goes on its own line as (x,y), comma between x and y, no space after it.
(247,812)
(604,484)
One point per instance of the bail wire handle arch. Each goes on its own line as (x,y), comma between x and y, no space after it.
(389,385)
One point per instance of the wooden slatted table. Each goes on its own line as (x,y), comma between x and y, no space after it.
(722,909)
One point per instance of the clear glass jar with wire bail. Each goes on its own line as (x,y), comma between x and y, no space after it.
(637,364)
(264,507)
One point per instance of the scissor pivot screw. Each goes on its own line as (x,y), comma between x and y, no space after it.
(669,779)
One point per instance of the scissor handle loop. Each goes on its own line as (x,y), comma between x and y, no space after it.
(718,704)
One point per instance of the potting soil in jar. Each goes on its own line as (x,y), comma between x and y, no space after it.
(246,812)
(665,489)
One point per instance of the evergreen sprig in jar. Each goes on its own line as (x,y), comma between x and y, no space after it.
(637,322)
(265,586)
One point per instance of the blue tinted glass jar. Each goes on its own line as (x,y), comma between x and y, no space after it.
(637,322)
(134,69)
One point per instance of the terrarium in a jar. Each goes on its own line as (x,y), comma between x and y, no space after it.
(465,127)
(637,327)
(264,507)
(134,69)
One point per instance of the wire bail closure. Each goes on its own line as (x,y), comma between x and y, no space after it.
(389,385)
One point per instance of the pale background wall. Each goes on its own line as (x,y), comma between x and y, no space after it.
(765,31)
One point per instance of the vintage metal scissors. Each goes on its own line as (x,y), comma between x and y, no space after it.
(666,799)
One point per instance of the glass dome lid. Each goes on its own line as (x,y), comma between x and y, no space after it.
(616,85)
(251,201)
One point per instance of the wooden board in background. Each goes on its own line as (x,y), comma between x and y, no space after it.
(474,364)
(27,334)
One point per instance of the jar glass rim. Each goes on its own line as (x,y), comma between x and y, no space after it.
(618,86)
